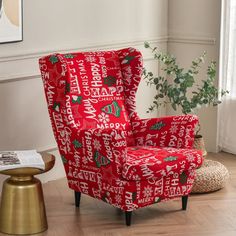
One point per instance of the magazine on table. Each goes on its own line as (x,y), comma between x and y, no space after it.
(18,159)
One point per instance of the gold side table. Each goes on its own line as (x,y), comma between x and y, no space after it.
(22,209)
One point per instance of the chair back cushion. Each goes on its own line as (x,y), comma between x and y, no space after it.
(97,91)
(91,88)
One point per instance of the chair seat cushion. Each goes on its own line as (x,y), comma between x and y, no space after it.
(147,162)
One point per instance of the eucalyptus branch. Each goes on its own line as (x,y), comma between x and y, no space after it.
(177,86)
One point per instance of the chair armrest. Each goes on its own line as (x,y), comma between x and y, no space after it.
(98,150)
(171,131)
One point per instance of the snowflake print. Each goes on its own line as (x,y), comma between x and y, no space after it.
(119,74)
(147,192)
(136,177)
(90,59)
(115,67)
(140,59)
(119,182)
(173,129)
(139,67)
(171,150)
(192,174)
(199,160)
(97,133)
(97,144)
(163,173)
(190,157)
(128,70)
(103,117)
(131,49)
(118,198)
(100,54)
(84,160)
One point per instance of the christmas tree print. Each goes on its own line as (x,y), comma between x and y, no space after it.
(56,106)
(183,178)
(157,126)
(127,59)
(112,109)
(64,160)
(77,144)
(134,196)
(109,81)
(76,99)
(100,160)
(105,197)
(170,158)
(67,87)
(69,56)
(53,59)
(157,199)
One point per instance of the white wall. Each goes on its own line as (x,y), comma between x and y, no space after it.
(59,25)
(194,27)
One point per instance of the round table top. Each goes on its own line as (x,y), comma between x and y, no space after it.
(48,159)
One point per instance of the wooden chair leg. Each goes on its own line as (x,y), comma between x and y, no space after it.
(77,198)
(128,215)
(184,202)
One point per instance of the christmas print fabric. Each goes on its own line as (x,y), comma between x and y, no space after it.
(108,152)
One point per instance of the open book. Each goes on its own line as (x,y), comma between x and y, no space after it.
(19,159)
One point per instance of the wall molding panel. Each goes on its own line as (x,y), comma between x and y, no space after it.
(192,40)
(15,78)
(26,65)
(88,47)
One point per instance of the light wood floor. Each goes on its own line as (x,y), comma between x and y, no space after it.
(211,214)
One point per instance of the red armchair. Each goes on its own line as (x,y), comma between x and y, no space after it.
(108,152)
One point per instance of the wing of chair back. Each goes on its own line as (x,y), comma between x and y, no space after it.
(108,152)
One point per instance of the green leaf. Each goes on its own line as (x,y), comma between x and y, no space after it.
(157,126)
(170,158)
(70,56)
(146,44)
(77,144)
(156,80)
(174,106)
(53,59)
(182,87)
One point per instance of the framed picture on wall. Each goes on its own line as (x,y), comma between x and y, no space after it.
(11,21)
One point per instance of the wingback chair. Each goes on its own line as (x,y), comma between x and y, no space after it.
(108,152)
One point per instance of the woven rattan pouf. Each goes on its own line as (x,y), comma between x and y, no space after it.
(211,176)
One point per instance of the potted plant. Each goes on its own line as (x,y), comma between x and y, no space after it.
(180,88)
